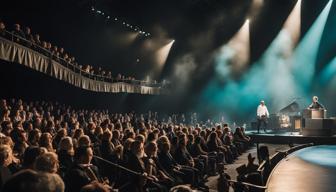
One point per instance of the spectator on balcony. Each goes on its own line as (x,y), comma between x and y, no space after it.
(18,33)
(37,40)
(109,75)
(29,37)
(61,52)
(54,50)
(44,49)
(2,29)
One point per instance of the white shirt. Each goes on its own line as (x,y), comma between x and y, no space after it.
(262,110)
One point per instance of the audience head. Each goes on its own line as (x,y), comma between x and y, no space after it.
(47,162)
(137,148)
(29,180)
(66,145)
(94,187)
(6,155)
(17,27)
(2,25)
(181,188)
(83,155)
(151,149)
(84,141)
(30,156)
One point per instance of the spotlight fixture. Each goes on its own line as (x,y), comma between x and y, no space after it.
(136,28)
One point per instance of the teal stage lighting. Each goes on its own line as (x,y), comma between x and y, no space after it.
(278,77)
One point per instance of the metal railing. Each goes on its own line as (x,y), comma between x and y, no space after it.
(72,66)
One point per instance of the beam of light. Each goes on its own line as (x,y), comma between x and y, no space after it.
(305,55)
(232,58)
(328,73)
(122,39)
(293,23)
(274,65)
(270,78)
(255,8)
(162,53)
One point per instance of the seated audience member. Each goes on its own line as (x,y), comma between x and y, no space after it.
(20,141)
(3,29)
(29,37)
(46,142)
(47,162)
(59,135)
(34,137)
(135,163)
(29,180)
(7,127)
(154,168)
(116,138)
(82,172)
(251,166)
(76,135)
(18,33)
(239,137)
(37,40)
(65,154)
(5,160)
(187,174)
(214,147)
(223,184)
(107,147)
(30,156)
(94,187)
(196,150)
(181,188)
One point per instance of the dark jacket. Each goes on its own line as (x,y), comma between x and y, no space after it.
(77,177)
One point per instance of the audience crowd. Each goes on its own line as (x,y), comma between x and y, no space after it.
(47,146)
(27,38)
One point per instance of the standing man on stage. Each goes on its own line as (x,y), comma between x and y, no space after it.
(262,115)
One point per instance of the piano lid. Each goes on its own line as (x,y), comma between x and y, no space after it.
(292,107)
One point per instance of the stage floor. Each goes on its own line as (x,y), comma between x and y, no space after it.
(286,137)
(308,170)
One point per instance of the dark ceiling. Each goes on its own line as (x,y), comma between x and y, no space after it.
(92,39)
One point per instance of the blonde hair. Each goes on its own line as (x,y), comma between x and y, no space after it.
(67,145)
(6,155)
(47,162)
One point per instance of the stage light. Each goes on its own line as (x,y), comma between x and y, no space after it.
(293,23)
(232,58)
(116,19)
(328,73)
(305,54)
(162,53)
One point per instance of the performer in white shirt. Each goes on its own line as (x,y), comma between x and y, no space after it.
(262,115)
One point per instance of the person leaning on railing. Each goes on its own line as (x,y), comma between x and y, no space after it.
(19,33)
(3,29)
(29,40)
(29,37)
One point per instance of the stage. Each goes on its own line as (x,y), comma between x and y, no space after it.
(287,137)
(307,170)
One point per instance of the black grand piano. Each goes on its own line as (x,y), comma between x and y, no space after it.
(288,118)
